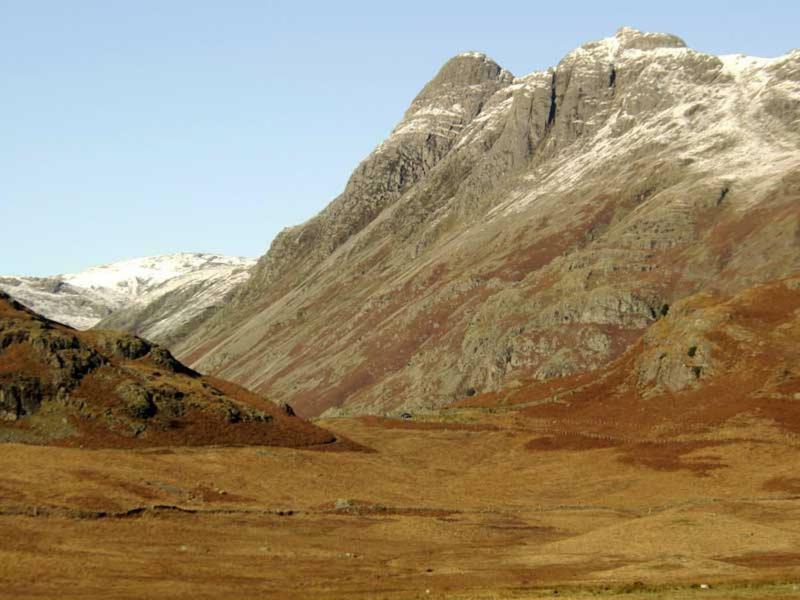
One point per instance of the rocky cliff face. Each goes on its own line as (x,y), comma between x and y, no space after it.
(100,388)
(524,227)
(161,298)
(427,133)
(707,339)
(716,366)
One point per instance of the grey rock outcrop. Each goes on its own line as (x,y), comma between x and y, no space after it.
(427,132)
(524,227)
(104,389)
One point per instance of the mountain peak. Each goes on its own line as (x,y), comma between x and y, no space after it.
(468,68)
(466,74)
(523,228)
(83,299)
(473,54)
(634,39)
(629,39)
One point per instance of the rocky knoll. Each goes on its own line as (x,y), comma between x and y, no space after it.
(100,388)
(715,365)
(530,227)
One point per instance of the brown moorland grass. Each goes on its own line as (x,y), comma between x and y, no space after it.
(588,487)
(462,513)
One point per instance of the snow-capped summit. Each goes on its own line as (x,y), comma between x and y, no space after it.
(515,228)
(83,299)
(134,279)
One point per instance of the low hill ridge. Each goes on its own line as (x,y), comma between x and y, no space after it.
(107,389)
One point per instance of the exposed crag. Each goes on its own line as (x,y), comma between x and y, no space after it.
(106,389)
(715,366)
(530,227)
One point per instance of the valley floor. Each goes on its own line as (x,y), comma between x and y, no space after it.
(461,506)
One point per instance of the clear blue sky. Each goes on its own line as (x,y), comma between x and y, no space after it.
(131,128)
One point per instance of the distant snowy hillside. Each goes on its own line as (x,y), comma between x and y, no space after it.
(134,286)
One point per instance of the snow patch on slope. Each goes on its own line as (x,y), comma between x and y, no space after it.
(85,298)
(132,281)
(720,127)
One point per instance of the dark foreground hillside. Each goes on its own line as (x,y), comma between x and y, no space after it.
(107,389)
